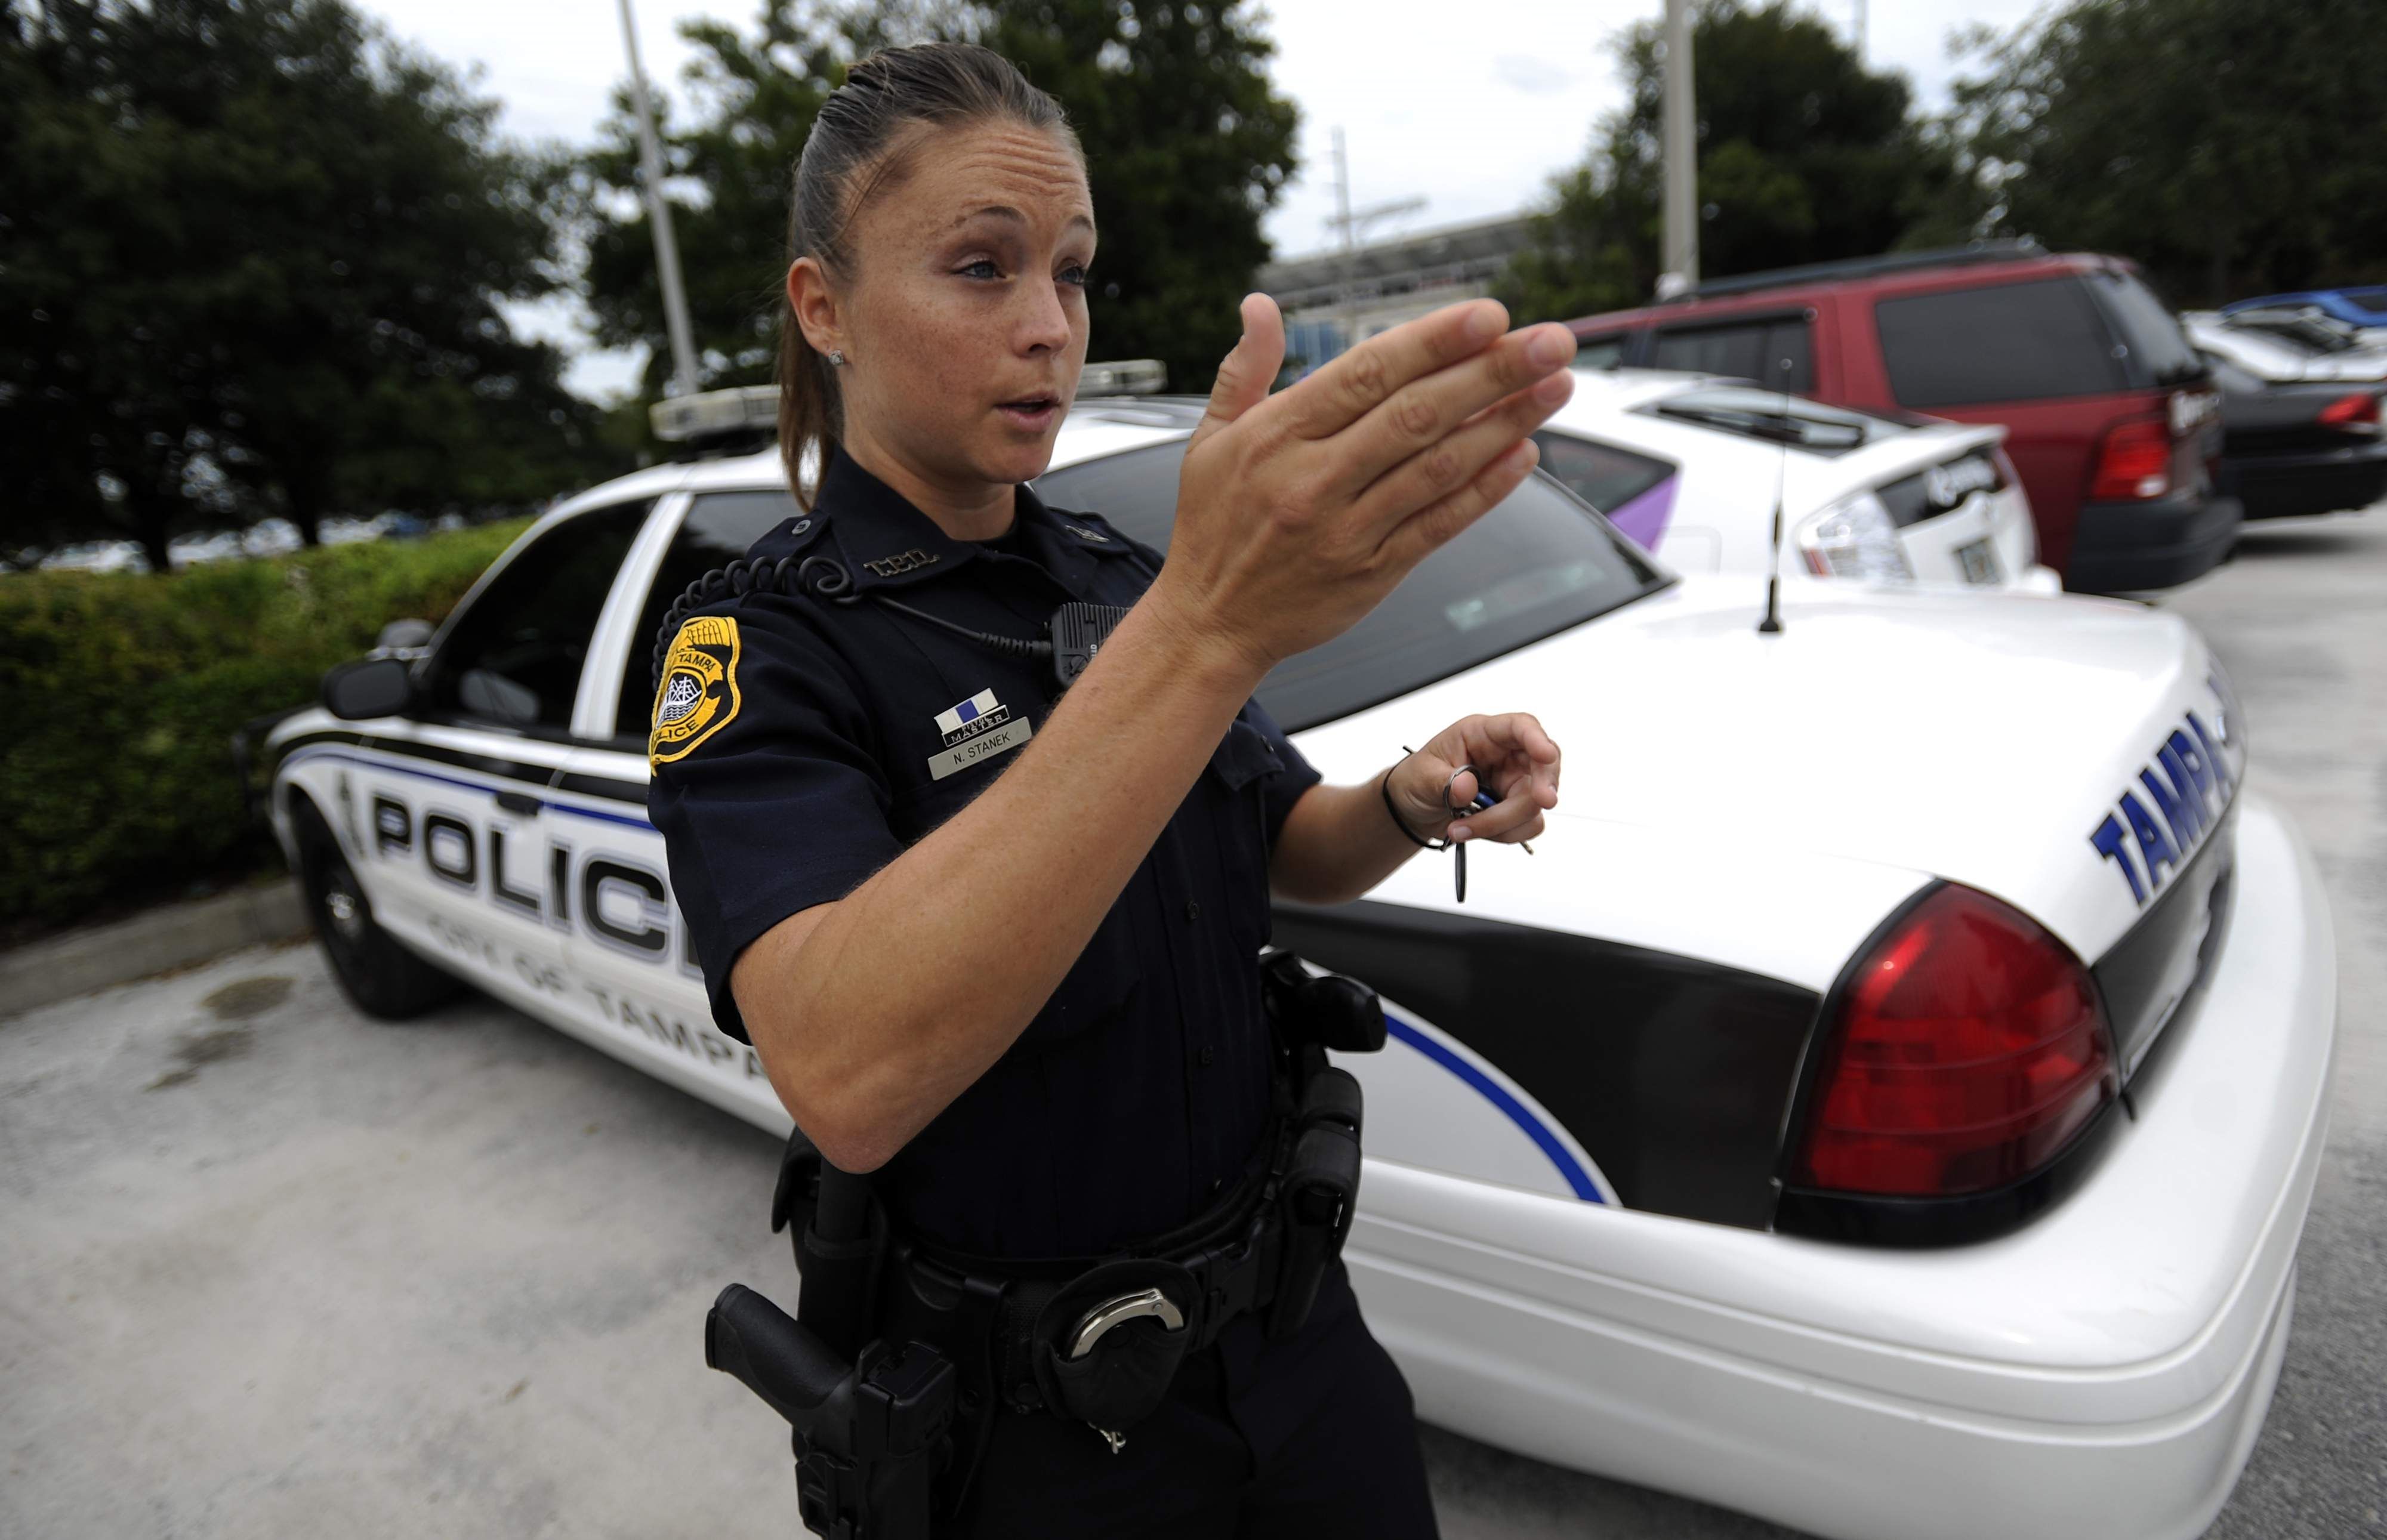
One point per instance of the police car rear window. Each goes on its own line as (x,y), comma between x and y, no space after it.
(1532,567)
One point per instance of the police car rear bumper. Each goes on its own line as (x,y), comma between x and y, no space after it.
(2102,1373)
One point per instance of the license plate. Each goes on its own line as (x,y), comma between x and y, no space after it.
(1979,559)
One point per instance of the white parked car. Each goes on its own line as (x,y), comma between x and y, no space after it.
(1887,1103)
(194,550)
(97,556)
(273,537)
(2287,346)
(1689,466)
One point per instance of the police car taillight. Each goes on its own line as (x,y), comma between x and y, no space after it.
(1969,1048)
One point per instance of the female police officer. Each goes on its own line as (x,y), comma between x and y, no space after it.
(994,941)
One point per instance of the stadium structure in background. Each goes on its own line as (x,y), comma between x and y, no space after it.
(1336,297)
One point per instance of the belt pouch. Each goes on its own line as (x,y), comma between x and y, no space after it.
(1125,1375)
(1319,1187)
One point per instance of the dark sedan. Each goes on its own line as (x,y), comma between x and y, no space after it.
(2299,447)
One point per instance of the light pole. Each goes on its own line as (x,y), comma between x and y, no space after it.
(651,172)
(1350,221)
(1680,263)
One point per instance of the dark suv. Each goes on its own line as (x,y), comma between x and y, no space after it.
(2113,422)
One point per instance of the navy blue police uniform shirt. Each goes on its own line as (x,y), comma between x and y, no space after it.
(800,745)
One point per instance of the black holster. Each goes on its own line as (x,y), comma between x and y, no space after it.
(870,1436)
(872,1418)
(1320,1183)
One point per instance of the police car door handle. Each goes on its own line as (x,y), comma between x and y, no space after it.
(522,802)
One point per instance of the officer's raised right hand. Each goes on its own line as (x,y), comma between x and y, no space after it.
(1298,512)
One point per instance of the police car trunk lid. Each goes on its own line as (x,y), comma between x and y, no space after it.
(1985,738)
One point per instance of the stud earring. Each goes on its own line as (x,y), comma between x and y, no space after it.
(837,358)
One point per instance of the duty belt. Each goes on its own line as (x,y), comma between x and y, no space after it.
(904,1349)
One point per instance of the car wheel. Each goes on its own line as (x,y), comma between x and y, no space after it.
(374,968)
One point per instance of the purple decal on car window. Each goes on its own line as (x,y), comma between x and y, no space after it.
(1643,518)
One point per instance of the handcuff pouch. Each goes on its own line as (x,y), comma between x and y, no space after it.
(1123,1377)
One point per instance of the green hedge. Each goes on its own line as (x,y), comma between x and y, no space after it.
(120,693)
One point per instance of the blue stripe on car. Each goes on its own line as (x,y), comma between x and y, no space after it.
(1499,1096)
(483,787)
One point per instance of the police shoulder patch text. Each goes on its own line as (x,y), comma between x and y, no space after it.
(697,694)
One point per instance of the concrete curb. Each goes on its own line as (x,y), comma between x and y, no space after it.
(163,939)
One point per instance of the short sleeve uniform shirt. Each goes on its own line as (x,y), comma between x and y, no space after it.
(802,743)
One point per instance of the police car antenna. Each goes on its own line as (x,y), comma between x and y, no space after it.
(1772,625)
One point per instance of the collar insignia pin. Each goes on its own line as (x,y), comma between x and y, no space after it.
(903,561)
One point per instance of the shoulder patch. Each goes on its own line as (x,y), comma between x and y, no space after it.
(697,694)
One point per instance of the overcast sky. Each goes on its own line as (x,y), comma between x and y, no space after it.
(1472,119)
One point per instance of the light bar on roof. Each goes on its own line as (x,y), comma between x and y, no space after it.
(707,413)
(1125,377)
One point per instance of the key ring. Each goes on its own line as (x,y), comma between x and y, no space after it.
(1451,807)
(1484,800)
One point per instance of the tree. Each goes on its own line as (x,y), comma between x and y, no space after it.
(728,171)
(110,406)
(1186,148)
(255,255)
(2229,148)
(1804,154)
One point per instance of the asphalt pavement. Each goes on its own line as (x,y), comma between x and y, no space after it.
(271,1269)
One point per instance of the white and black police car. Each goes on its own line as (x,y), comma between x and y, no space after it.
(1887,1103)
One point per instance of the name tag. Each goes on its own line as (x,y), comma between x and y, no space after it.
(1010,736)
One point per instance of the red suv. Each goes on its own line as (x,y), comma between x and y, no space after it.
(2112,420)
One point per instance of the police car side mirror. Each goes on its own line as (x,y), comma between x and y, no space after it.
(369,688)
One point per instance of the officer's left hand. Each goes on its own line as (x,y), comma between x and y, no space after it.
(1514,760)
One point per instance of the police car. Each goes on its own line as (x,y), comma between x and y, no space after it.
(1688,466)
(1887,1102)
